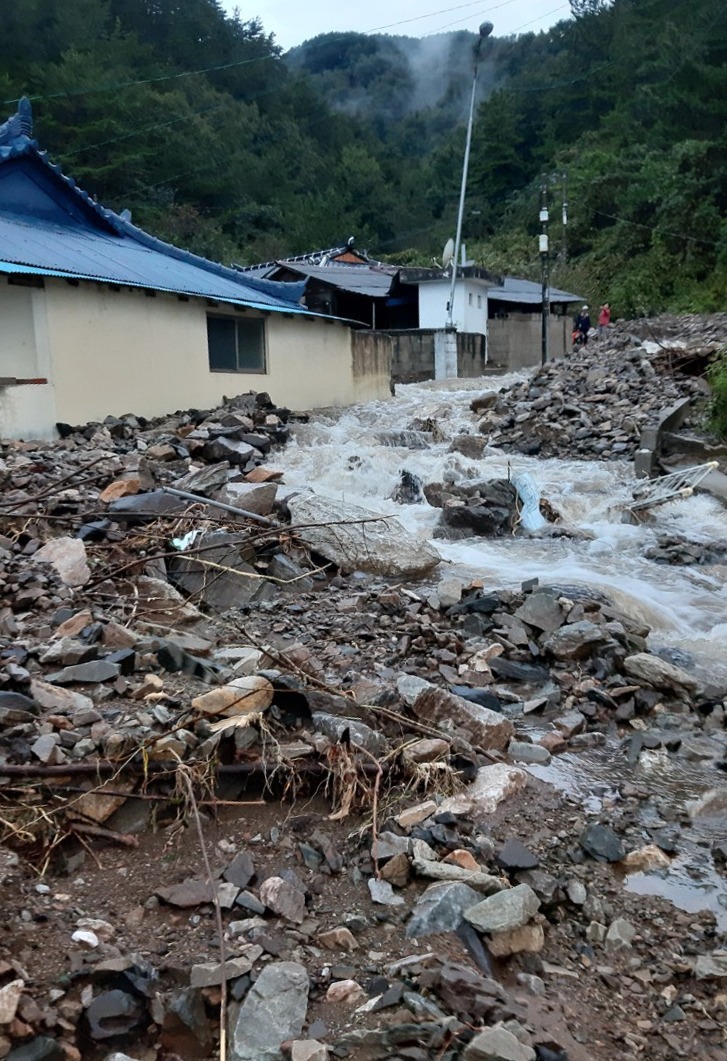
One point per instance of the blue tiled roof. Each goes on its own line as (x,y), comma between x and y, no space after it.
(51,227)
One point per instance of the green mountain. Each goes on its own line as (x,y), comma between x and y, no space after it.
(198,123)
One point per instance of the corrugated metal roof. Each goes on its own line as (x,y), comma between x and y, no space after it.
(513,289)
(50,226)
(13,269)
(119,259)
(358,279)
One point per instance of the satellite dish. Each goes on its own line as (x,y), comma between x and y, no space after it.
(447,253)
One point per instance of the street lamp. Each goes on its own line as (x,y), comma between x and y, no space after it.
(485,31)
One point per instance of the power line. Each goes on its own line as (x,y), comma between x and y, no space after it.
(231,65)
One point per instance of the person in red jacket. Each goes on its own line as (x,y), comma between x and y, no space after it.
(604,319)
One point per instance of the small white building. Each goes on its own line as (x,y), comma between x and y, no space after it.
(469,312)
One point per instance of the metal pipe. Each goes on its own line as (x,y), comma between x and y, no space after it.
(219,504)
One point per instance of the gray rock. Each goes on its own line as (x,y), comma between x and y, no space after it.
(333,727)
(240,871)
(210,974)
(274,1010)
(46,748)
(522,752)
(576,640)
(497,1044)
(381,892)
(388,845)
(235,587)
(711,966)
(382,547)
(284,899)
(541,610)
(204,481)
(576,892)
(228,449)
(659,673)
(98,670)
(620,935)
(545,885)
(505,910)
(484,728)
(602,843)
(250,497)
(68,557)
(514,855)
(440,908)
(40,1048)
(14,707)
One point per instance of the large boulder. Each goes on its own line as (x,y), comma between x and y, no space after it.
(662,675)
(274,1010)
(483,728)
(358,540)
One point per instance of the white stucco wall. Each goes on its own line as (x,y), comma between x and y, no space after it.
(116,351)
(470,305)
(26,410)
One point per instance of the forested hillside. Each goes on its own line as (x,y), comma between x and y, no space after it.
(196,122)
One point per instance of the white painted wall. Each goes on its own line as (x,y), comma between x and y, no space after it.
(27,410)
(17,331)
(470,305)
(109,351)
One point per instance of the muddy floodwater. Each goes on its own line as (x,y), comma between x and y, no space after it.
(358,456)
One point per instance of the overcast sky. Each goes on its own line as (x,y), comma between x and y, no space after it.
(293,21)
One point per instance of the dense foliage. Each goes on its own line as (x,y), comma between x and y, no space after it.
(195,121)
(717,376)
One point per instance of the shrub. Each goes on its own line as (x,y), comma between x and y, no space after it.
(717,376)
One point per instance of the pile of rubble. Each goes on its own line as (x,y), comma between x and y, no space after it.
(594,404)
(676,549)
(259,804)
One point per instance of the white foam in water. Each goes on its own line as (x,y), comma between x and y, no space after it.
(339,455)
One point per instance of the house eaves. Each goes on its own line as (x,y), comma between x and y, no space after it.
(526,292)
(355,279)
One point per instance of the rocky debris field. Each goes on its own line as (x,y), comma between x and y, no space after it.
(595,403)
(259,803)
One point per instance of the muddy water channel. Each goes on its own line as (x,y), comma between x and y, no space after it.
(358,456)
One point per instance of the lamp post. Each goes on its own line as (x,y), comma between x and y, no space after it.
(485,31)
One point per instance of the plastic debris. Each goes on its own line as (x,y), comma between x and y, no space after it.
(530,515)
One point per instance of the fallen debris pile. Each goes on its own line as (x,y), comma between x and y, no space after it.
(593,404)
(253,806)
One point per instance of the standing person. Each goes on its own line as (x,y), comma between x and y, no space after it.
(604,319)
(583,325)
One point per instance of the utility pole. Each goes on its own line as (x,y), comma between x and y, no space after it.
(545,273)
(484,31)
(565,217)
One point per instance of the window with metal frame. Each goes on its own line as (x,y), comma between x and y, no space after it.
(236,345)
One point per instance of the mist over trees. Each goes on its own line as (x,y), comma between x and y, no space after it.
(196,121)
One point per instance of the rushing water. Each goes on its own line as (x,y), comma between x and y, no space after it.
(358,455)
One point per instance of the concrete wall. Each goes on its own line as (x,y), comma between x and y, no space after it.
(412,353)
(471,353)
(515,340)
(114,351)
(470,305)
(371,365)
